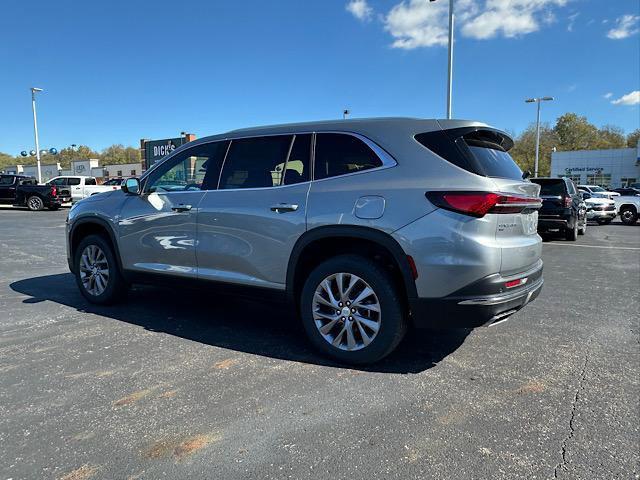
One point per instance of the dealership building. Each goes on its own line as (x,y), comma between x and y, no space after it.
(610,168)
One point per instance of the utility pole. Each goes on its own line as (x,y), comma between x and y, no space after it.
(538,101)
(450,60)
(34,90)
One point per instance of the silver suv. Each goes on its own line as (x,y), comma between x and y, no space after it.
(365,226)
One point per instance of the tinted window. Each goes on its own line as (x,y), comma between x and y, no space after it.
(297,167)
(553,188)
(73,181)
(339,154)
(496,163)
(6,180)
(255,162)
(196,168)
(58,181)
(90,181)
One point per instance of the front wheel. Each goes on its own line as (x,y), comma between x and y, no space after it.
(351,310)
(97,273)
(628,215)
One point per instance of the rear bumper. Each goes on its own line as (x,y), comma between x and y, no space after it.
(552,223)
(481,309)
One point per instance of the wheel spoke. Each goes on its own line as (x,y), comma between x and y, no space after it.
(367,292)
(327,327)
(325,316)
(366,339)
(374,307)
(351,341)
(324,301)
(352,282)
(327,288)
(374,326)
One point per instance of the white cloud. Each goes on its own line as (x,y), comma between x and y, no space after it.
(360,9)
(608,95)
(572,21)
(625,26)
(632,98)
(420,23)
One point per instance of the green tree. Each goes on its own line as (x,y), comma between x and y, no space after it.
(576,133)
(6,160)
(119,154)
(66,155)
(610,136)
(524,149)
(632,138)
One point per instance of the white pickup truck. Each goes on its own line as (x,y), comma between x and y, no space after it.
(628,208)
(81,186)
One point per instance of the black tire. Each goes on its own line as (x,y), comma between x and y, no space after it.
(571,234)
(35,203)
(392,316)
(116,287)
(54,207)
(583,229)
(628,215)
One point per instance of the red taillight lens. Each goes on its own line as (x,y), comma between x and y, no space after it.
(567,202)
(516,283)
(478,204)
(54,191)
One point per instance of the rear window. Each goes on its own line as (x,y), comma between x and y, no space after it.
(551,188)
(480,151)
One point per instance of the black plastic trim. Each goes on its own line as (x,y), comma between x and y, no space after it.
(96,221)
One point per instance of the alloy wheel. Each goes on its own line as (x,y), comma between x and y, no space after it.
(346,311)
(94,270)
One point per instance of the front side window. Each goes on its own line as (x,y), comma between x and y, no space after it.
(339,154)
(58,182)
(196,168)
(255,162)
(297,167)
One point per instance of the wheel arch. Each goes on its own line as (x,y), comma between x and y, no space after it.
(93,226)
(319,237)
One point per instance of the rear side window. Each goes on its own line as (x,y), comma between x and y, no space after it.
(90,181)
(480,151)
(339,154)
(254,162)
(74,181)
(551,188)
(298,163)
(6,180)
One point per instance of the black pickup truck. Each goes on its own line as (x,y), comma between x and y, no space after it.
(562,209)
(24,191)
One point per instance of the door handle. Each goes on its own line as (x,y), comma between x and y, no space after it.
(284,207)
(181,208)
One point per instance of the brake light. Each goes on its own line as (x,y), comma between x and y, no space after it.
(567,202)
(54,191)
(516,283)
(478,204)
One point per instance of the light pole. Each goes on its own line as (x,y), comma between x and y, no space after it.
(538,101)
(34,90)
(345,114)
(450,56)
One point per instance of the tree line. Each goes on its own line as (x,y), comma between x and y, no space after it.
(114,154)
(570,132)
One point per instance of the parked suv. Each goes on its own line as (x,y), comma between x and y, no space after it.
(563,207)
(365,226)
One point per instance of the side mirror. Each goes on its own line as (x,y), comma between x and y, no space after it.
(132,186)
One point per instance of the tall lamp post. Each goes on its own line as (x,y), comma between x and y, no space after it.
(538,101)
(35,90)
(450,56)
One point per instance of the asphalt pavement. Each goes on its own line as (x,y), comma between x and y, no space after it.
(193,385)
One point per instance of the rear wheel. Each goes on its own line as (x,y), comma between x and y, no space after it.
(351,310)
(35,203)
(571,234)
(628,215)
(97,273)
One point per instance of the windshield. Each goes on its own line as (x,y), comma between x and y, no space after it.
(597,189)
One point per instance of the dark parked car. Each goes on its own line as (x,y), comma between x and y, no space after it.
(626,191)
(21,190)
(563,207)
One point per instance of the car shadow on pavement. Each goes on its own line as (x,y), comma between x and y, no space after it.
(266,328)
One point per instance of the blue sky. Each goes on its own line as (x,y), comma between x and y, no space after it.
(115,72)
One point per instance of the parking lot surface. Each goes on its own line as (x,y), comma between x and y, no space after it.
(190,384)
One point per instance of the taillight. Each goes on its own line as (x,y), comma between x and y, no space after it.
(516,283)
(567,202)
(54,191)
(478,204)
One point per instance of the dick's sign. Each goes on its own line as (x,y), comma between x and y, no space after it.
(154,150)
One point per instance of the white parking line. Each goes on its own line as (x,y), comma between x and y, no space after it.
(591,246)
